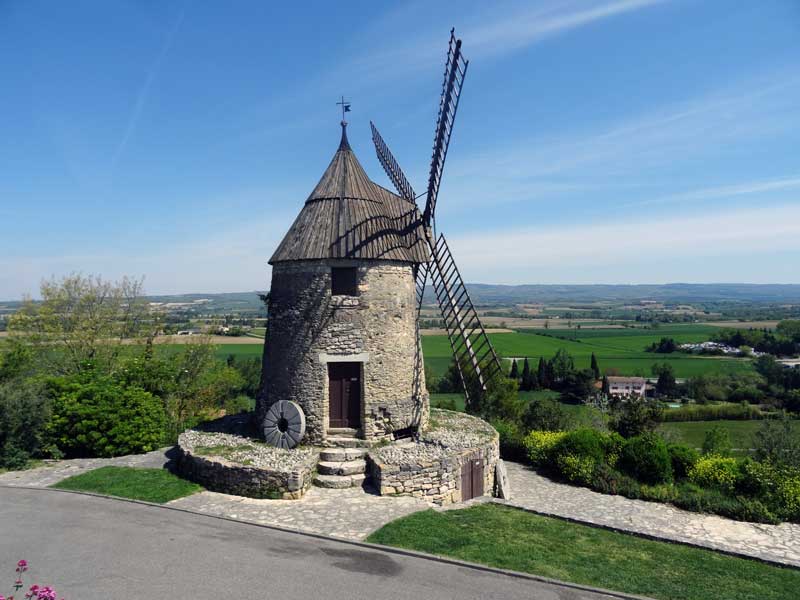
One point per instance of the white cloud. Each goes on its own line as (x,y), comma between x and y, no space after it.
(520,255)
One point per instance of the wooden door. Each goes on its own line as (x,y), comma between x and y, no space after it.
(472,478)
(344,383)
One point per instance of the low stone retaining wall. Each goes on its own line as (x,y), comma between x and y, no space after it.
(431,468)
(235,464)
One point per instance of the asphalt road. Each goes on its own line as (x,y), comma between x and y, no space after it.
(91,548)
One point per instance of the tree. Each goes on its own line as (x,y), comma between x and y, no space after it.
(527,384)
(666,384)
(594,367)
(87,318)
(789,328)
(717,441)
(634,416)
(543,374)
(514,373)
(562,364)
(546,414)
(606,386)
(578,386)
(778,442)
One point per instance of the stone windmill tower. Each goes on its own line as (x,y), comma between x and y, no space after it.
(342,332)
(348,281)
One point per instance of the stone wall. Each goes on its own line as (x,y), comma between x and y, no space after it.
(431,469)
(308,328)
(245,476)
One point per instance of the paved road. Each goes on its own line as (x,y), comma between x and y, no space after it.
(92,548)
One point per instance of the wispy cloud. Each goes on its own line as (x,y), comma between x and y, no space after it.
(761,187)
(144,90)
(517,255)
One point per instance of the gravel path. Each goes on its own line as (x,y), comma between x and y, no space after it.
(779,543)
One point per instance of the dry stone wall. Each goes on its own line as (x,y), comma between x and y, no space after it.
(431,468)
(308,328)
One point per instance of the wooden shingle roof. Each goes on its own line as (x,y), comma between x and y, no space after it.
(349,216)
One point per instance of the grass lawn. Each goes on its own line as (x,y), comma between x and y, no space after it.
(152,485)
(692,433)
(510,538)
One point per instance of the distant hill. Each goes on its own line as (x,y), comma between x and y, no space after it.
(483,293)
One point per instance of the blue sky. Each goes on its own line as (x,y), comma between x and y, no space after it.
(598,141)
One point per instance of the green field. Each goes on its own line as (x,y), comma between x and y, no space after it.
(692,433)
(619,349)
(151,485)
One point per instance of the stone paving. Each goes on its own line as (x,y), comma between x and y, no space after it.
(348,513)
(54,471)
(779,543)
(354,514)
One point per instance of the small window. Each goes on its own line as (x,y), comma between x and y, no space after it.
(344,281)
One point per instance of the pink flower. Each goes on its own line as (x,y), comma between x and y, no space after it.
(22,566)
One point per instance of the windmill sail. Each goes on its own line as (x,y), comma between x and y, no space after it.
(474,354)
(454,73)
(472,349)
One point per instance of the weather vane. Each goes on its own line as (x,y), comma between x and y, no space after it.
(345,107)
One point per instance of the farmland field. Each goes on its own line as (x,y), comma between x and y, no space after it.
(692,433)
(618,349)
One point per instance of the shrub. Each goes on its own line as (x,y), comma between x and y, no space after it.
(584,443)
(778,442)
(715,471)
(239,404)
(717,441)
(646,458)
(539,445)
(788,495)
(24,412)
(512,446)
(635,416)
(713,412)
(576,469)
(97,417)
(546,415)
(683,458)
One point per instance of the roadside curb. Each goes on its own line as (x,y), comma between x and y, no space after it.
(356,543)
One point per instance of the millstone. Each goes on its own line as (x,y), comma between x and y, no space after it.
(284,425)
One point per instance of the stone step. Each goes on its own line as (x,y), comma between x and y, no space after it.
(341,454)
(343,431)
(348,467)
(340,481)
(344,441)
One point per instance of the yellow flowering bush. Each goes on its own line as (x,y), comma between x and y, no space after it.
(715,471)
(538,444)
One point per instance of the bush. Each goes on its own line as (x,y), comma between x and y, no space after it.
(512,446)
(683,458)
(583,443)
(546,415)
(788,496)
(98,417)
(24,412)
(716,472)
(539,445)
(646,458)
(635,416)
(576,469)
(778,442)
(239,404)
(717,441)
(713,412)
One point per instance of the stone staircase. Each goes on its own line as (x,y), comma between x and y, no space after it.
(342,467)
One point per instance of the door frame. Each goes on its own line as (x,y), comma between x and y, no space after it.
(359,365)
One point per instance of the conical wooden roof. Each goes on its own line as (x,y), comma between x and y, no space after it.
(349,216)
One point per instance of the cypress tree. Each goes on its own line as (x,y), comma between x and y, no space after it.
(595,368)
(606,387)
(541,372)
(514,374)
(526,376)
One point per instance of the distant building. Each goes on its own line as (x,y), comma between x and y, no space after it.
(627,386)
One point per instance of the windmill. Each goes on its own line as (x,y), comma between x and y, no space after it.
(473,352)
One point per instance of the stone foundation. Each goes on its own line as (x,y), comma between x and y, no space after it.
(237,464)
(431,468)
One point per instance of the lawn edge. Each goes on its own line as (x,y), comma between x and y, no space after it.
(647,536)
(357,543)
